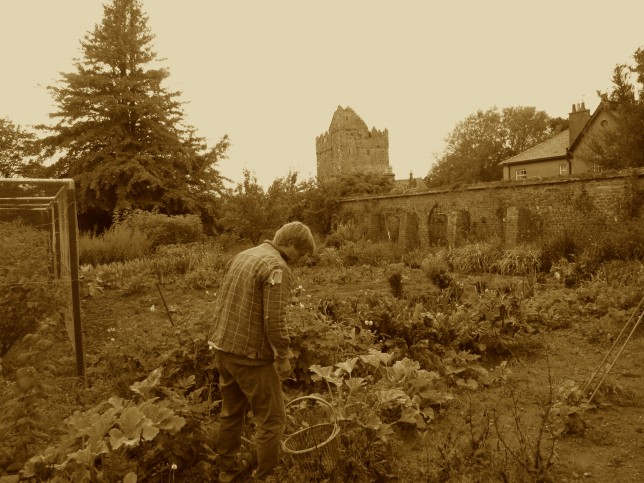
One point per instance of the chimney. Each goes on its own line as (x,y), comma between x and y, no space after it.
(577,119)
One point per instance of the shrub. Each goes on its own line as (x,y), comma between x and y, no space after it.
(367,253)
(556,247)
(622,242)
(590,247)
(29,292)
(198,262)
(435,266)
(343,234)
(328,257)
(136,235)
(164,229)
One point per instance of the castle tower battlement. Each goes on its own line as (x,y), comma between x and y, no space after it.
(349,147)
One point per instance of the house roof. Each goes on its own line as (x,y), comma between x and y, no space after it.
(407,184)
(552,148)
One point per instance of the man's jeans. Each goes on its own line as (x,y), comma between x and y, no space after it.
(260,387)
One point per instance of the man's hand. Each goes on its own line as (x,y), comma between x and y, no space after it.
(283,367)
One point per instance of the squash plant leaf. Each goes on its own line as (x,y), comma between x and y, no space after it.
(131,424)
(376,357)
(402,369)
(163,417)
(408,415)
(354,384)
(145,386)
(348,365)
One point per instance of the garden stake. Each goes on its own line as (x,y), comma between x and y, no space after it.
(165,305)
(618,353)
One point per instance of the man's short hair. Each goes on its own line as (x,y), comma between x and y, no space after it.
(296,234)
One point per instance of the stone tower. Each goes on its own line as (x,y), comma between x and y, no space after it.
(349,147)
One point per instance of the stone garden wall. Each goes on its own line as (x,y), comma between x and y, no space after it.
(511,211)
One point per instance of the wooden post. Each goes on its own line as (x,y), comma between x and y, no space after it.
(72,225)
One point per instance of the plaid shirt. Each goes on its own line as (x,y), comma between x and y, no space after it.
(249,320)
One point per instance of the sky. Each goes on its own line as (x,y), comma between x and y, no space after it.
(270,74)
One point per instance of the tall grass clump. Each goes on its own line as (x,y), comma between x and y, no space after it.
(474,258)
(119,243)
(520,260)
(414,258)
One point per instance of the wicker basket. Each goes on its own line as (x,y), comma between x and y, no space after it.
(314,448)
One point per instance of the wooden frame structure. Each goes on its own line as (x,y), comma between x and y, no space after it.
(56,199)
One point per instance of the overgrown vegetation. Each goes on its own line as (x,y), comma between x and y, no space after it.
(137,234)
(396,359)
(29,292)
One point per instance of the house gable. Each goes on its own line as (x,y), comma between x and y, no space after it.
(603,120)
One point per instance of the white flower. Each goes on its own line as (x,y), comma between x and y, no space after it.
(153,308)
(173,467)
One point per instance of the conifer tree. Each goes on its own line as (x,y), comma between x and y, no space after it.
(120,134)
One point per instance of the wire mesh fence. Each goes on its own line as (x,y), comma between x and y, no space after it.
(38,228)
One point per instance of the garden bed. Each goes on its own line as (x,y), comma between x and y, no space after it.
(480,384)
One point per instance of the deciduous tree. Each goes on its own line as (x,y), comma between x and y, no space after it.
(244,210)
(18,152)
(478,144)
(120,133)
(623,146)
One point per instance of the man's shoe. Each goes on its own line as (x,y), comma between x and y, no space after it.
(228,476)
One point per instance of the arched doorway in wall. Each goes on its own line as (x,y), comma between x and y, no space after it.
(436,227)
(392,226)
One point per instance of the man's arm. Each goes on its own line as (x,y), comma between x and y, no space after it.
(277,294)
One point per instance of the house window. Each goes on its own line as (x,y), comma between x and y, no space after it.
(520,174)
(563,169)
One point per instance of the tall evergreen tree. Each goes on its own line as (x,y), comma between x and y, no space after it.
(120,134)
